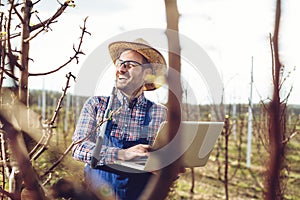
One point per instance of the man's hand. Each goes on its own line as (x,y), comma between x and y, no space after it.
(140,150)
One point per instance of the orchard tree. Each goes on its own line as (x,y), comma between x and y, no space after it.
(17,32)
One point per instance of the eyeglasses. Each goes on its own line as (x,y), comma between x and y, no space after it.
(127,63)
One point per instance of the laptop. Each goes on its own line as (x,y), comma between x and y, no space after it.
(193,143)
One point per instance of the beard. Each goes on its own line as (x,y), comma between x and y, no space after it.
(129,88)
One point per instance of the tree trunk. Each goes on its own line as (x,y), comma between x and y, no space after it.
(159,187)
(23,83)
(273,185)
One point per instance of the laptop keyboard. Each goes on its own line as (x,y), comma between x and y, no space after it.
(140,161)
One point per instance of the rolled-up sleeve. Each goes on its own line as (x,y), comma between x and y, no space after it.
(84,137)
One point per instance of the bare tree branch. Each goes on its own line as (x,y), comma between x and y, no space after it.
(8,33)
(58,107)
(6,71)
(290,137)
(36,2)
(47,132)
(80,141)
(44,25)
(50,20)
(12,196)
(75,56)
(16,11)
(11,36)
(28,174)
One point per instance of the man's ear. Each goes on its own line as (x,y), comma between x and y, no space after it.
(147,72)
(148,76)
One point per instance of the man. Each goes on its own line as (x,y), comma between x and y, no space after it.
(132,130)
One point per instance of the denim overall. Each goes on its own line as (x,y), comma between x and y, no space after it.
(108,181)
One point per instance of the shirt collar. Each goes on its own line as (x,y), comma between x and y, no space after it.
(140,100)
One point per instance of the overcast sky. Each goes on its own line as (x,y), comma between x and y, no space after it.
(230,31)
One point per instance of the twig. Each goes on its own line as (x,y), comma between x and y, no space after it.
(48,129)
(16,11)
(3,152)
(11,36)
(75,56)
(10,195)
(218,154)
(290,137)
(9,74)
(51,19)
(43,24)
(8,33)
(29,176)
(13,60)
(46,23)
(287,96)
(79,141)
(46,137)
(48,179)
(58,107)
(239,148)
(34,149)
(227,133)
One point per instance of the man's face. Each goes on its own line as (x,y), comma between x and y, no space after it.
(129,72)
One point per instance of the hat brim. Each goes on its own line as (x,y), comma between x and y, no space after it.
(154,57)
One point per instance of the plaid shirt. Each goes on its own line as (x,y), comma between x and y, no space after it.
(127,125)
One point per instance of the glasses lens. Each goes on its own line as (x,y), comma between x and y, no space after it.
(127,63)
(132,63)
(118,62)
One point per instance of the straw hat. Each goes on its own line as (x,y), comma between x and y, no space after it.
(153,56)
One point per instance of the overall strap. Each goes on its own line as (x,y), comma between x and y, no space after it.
(103,100)
(145,127)
(148,117)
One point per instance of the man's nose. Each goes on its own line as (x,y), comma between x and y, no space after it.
(122,68)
